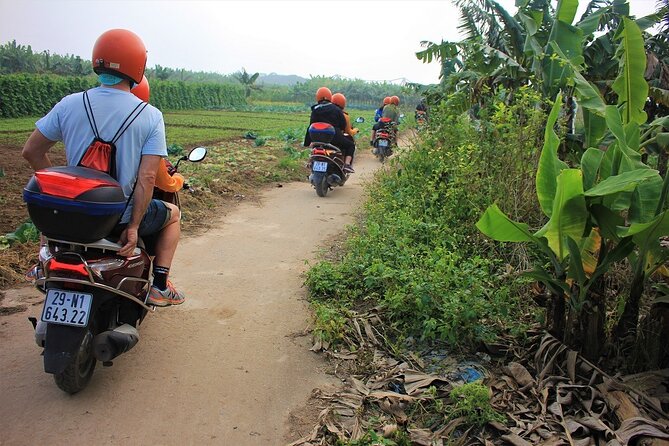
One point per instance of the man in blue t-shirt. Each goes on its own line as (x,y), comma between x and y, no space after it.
(119,59)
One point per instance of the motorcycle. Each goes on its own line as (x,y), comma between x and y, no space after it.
(421,119)
(384,140)
(94,299)
(326,161)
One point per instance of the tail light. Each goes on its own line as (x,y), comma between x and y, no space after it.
(54,265)
(319,152)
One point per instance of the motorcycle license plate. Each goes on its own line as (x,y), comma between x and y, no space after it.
(320,166)
(67,307)
(383,143)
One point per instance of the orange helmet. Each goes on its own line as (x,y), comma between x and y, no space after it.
(339,99)
(323,94)
(120,52)
(395,100)
(142,90)
(386,100)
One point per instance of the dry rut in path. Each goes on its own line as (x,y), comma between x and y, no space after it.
(226,367)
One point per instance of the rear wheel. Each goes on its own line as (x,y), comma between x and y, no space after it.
(321,184)
(79,372)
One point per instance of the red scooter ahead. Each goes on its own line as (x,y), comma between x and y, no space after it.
(385,139)
(326,161)
(95,299)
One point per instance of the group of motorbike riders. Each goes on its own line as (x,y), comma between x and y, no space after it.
(330,108)
(117,114)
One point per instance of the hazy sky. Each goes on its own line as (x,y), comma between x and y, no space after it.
(371,40)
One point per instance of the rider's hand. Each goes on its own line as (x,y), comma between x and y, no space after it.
(129,241)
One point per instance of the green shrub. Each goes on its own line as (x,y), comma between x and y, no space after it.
(27,232)
(175,150)
(329,323)
(416,252)
(472,401)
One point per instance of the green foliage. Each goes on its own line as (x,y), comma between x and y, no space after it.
(609,209)
(416,252)
(179,95)
(15,58)
(329,323)
(27,232)
(371,438)
(175,150)
(32,95)
(472,401)
(259,141)
(248,81)
(296,154)
(292,135)
(359,93)
(35,95)
(630,85)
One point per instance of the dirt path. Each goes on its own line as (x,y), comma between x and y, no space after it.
(227,367)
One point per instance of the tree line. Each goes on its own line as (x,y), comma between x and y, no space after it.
(16,58)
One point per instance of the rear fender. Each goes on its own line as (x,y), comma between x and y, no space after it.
(61,346)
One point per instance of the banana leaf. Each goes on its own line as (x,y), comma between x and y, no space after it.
(590,23)
(607,221)
(624,182)
(566,11)
(550,165)
(645,199)
(647,235)
(594,126)
(569,216)
(566,40)
(630,85)
(662,140)
(496,225)
(590,162)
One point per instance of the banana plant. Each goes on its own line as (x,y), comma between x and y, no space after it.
(586,233)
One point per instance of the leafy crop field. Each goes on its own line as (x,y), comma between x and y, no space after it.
(186,127)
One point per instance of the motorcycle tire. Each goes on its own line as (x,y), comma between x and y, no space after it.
(78,373)
(320,180)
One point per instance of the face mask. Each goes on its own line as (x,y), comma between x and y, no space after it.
(109,79)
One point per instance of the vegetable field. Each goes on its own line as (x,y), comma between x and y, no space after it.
(201,127)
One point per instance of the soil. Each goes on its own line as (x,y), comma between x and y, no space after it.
(230,366)
(17,172)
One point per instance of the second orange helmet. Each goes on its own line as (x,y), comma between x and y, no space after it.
(339,99)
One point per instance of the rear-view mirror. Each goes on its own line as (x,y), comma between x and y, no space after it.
(197,154)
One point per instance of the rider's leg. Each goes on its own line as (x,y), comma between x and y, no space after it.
(168,238)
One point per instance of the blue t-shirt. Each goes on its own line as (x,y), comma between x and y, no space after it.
(378,114)
(67,122)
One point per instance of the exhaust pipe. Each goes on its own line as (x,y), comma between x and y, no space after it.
(334,180)
(111,343)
